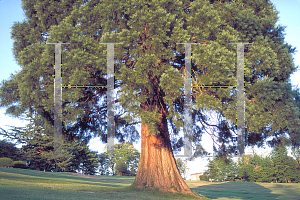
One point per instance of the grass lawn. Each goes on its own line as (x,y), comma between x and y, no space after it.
(246,190)
(30,184)
(21,184)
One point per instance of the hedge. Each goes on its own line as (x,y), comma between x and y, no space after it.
(20,164)
(6,162)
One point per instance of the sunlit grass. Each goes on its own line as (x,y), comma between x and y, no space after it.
(30,184)
(246,190)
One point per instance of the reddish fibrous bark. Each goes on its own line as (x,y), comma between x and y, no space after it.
(157,166)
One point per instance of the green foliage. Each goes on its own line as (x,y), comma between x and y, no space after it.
(6,162)
(39,151)
(228,169)
(296,155)
(268,172)
(146,66)
(103,164)
(9,150)
(20,164)
(262,170)
(245,168)
(220,168)
(204,177)
(126,153)
(285,167)
(213,171)
(121,167)
(82,159)
(182,167)
(171,82)
(292,173)
(275,168)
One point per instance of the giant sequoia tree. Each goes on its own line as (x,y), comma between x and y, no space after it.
(149,67)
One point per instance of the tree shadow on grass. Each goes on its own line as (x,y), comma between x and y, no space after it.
(234,190)
(32,176)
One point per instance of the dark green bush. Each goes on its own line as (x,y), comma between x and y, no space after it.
(20,164)
(204,177)
(6,162)
(121,168)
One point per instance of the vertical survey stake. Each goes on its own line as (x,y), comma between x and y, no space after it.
(110,95)
(58,98)
(240,99)
(57,101)
(188,125)
(187,104)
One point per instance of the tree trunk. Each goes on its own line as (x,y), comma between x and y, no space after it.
(37,166)
(157,167)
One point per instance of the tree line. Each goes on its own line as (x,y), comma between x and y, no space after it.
(123,159)
(276,167)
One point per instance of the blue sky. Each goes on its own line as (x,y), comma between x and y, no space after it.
(11,11)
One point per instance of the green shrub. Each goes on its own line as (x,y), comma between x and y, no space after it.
(6,162)
(204,177)
(20,164)
(121,168)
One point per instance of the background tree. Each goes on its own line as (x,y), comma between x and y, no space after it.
(292,173)
(182,167)
(277,166)
(103,164)
(204,177)
(111,158)
(279,155)
(6,162)
(268,171)
(227,167)
(231,170)
(83,159)
(221,168)
(284,166)
(213,171)
(126,153)
(258,175)
(38,147)
(245,168)
(8,150)
(121,168)
(149,69)
(296,155)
